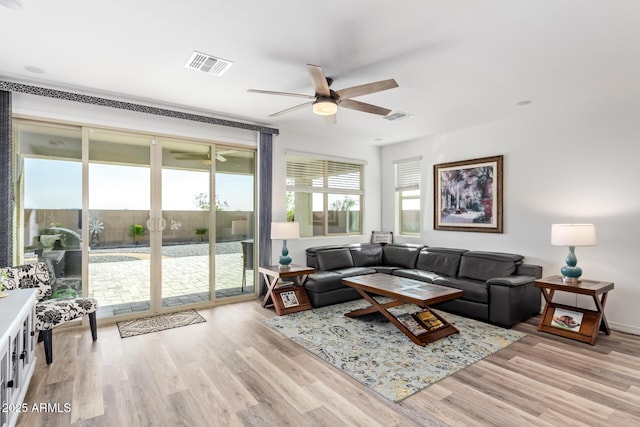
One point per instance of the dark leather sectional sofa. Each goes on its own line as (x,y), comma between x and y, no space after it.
(497,287)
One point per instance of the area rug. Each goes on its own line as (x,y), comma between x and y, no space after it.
(131,328)
(374,352)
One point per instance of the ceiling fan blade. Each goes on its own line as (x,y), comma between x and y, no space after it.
(354,91)
(271,92)
(361,106)
(330,120)
(192,158)
(318,80)
(288,110)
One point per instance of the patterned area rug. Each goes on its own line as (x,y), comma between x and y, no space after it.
(131,328)
(373,351)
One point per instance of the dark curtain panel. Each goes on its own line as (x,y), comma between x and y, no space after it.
(265,169)
(6,181)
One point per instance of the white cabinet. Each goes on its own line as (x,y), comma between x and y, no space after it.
(17,351)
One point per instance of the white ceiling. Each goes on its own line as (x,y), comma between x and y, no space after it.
(458,63)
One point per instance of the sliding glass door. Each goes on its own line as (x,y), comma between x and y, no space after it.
(119,209)
(144,224)
(235,222)
(186,223)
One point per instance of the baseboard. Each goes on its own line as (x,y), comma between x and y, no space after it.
(622,327)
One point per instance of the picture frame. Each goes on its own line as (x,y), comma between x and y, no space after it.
(382,237)
(468,195)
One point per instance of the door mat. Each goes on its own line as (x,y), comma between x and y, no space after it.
(377,354)
(162,322)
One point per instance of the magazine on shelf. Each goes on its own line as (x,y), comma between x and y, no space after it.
(284,284)
(430,321)
(289,299)
(411,324)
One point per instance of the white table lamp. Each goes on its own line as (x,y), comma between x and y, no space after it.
(285,231)
(572,235)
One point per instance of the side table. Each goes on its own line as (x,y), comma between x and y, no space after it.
(574,322)
(286,299)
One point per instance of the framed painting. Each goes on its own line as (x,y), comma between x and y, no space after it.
(468,195)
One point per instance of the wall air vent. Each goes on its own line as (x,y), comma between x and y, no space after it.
(398,115)
(208,64)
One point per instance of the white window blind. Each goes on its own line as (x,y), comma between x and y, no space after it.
(408,174)
(323,176)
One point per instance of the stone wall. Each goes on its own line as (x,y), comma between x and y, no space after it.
(180,225)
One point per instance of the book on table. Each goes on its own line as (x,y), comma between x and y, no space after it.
(430,321)
(411,324)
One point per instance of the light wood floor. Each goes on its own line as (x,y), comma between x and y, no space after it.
(232,370)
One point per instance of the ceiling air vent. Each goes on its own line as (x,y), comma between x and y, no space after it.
(208,64)
(399,115)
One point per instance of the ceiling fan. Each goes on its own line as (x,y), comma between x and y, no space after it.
(205,157)
(326,101)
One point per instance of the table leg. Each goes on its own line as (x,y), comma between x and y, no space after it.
(604,325)
(271,281)
(548,297)
(382,309)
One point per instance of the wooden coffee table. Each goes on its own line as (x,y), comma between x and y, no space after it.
(404,291)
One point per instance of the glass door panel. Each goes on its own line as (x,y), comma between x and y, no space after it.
(235,222)
(49,201)
(119,268)
(186,214)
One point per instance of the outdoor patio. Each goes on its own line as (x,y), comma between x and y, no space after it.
(120,277)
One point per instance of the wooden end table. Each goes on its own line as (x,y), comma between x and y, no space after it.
(574,322)
(286,299)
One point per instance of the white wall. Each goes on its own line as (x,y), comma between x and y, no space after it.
(578,165)
(299,142)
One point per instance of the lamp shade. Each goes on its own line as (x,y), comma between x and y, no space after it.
(573,234)
(239,226)
(285,230)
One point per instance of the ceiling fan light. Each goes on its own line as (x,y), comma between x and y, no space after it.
(325,107)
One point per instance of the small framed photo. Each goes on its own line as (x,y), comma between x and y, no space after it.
(468,195)
(382,237)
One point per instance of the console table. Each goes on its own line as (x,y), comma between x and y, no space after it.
(286,299)
(17,351)
(574,322)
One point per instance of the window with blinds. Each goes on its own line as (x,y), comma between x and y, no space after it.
(407,183)
(324,195)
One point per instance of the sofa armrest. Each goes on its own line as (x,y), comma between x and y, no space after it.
(529,270)
(512,299)
(511,281)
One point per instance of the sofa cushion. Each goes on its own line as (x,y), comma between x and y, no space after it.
(367,256)
(333,259)
(440,260)
(354,271)
(403,256)
(412,273)
(473,290)
(323,281)
(313,251)
(485,265)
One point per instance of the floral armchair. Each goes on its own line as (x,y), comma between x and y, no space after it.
(49,312)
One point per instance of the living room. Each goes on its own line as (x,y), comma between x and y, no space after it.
(561,109)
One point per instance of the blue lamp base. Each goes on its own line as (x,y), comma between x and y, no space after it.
(284,259)
(570,272)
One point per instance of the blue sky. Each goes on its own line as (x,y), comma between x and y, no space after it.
(57,184)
